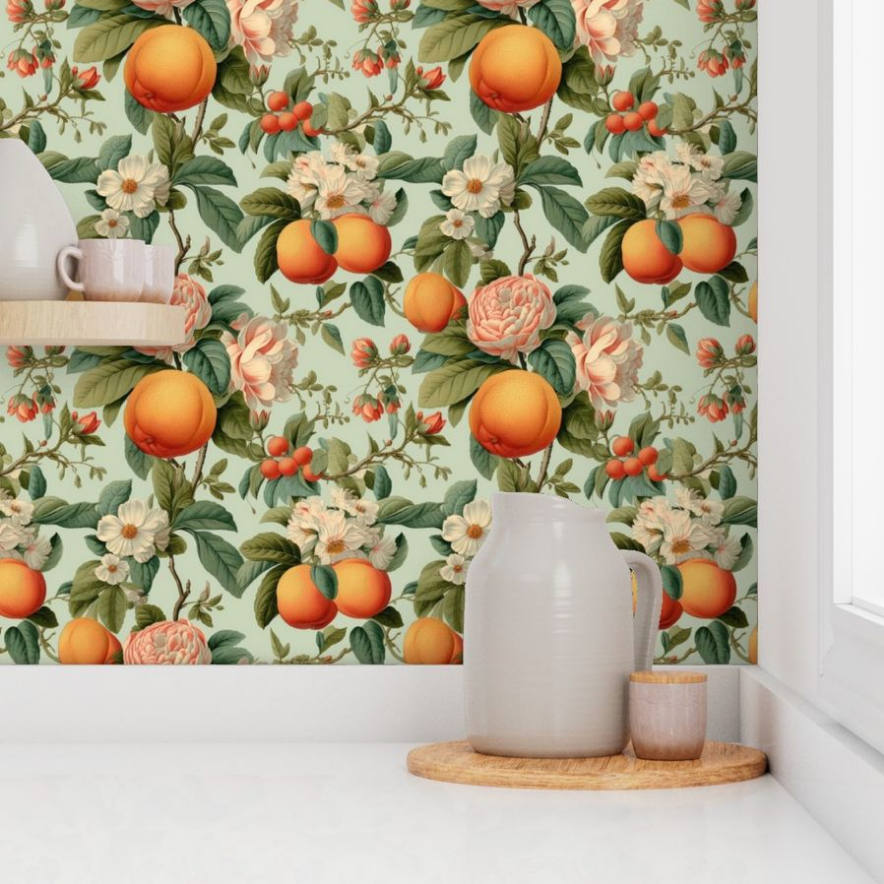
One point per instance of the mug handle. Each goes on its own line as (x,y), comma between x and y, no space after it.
(63,255)
(647,615)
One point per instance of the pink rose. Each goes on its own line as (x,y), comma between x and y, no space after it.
(262,361)
(608,28)
(167,642)
(608,360)
(507,316)
(262,27)
(187,293)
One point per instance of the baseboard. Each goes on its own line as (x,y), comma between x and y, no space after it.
(836,777)
(215,704)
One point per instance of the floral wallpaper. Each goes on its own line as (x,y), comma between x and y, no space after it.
(427,249)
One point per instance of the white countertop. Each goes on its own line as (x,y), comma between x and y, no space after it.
(307,813)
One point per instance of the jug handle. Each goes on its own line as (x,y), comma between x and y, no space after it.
(647,614)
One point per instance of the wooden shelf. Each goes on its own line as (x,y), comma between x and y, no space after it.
(458,763)
(90,324)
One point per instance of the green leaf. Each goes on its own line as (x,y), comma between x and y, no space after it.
(458,150)
(368,643)
(139,116)
(110,36)
(454,36)
(554,361)
(713,299)
(565,213)
(112,608)
(389,617)
(273,202)
(209,361)
(550,170)
(676,336)
(672,582)
(458,496)
(326,235)
(617,202)
(74,515)
(483,460)
(735,618)
(332,336)
(325,579)
(611,255)
(367,298)
(747,549)
(110,381)
(741,165)
(113,495)
(727,138)
(270,547)
(146,615)
(204,170)
(36,483)
(669,233)
(727,482)
(23,643)
(220,213)
(139,462)
(265,599)
(740,511)
(454,381)
(211,19)
(205,515)
(458,261)
(44,617)
(557,20)
(81,170)
(265,254)
(113,150)
(383,485)
(220,559)
(713,643)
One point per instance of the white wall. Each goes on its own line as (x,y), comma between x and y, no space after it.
(794,282)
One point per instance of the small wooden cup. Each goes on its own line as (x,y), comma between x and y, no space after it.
(667,715)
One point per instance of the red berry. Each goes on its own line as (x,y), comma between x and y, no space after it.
(287,121)
(633,466)
(287,466)
(303,456)
(278,101)
(302,110)
(614,468)
(648,110)
(648,455)
(615,125)
(622,446)
(653,475)
(623,101)
(270,124)
(633,121)
(309,130)
(278,446)
(270,469)
(309,475)
(655,130)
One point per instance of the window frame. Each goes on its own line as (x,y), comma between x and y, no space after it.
(851,626)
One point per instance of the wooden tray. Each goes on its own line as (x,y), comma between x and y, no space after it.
(458,763)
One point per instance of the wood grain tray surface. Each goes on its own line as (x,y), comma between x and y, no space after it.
(456,762)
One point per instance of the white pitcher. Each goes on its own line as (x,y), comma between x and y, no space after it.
(549,636)
(34,224)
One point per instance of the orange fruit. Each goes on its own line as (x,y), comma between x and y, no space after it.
(753,301)
(709,245)
(278,446)
(615,124)
(615,469)
(515,413)
(287,466)
(303,455)
(278,101)
(633,121)
(632,466)
(622,101)
(670,611)
(170,413)
(515,68)
(753,645)
(22,589)
(622,446)
(430,641)
(270,124)
(648,455)
(270,469)
(707,590)
(363,590)
(648,110)
(645,258)
(86,641)
(431,301)
(363,244)
(302,110)
(300,603)
(287,121)
(170,68)
(300,257)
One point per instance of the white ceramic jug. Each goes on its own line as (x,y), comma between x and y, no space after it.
(34,225)
(549,635)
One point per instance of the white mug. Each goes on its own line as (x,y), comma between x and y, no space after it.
(159,274)
(107,269)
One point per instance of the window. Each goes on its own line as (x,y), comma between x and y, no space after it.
(852,658)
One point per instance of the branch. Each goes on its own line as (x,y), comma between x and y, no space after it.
(198,123)
(544,120)
(183,591)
